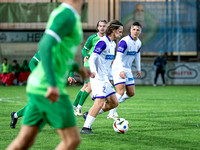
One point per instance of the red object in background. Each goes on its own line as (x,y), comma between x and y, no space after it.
(9,77)
(23,76)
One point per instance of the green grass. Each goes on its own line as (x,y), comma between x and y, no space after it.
(159,117)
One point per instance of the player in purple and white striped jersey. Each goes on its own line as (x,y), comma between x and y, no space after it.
(128,50)
(100,63)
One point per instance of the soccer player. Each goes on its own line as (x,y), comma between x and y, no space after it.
(128,50)
(15,115)
(100,62)
(48,101)
(87,51)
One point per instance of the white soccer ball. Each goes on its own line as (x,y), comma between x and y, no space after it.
(121,125)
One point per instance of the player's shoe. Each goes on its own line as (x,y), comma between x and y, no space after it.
(78,112)
(13,120)
(85,130)
(85,115)
(114,116)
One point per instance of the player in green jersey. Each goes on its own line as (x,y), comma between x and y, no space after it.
(32,64)
(15,115)
(48,101)
(87,51)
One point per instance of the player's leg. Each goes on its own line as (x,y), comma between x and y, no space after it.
(111,103)
(15,116)
(70,138)
(93,112)
(120,89)
(156,77)
(163,77)
(83,97)
(25,138)
(130,92)
(78,96)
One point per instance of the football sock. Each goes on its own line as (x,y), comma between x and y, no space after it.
(79,106)
(112,111)
(78,96)
(101,111)
(84,96)
(20,112)
(88,122)
(124,97)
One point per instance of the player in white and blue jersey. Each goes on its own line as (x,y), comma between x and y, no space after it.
(100,63)
(128,50)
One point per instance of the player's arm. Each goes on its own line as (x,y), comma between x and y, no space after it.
(137,63)
(61,26)
(34,61)
(93,61)
(86,48)
(120,52)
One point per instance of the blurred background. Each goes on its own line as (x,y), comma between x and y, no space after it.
(170,26)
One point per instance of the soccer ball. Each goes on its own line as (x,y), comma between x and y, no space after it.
(120,125)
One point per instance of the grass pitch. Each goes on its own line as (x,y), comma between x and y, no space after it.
(159,117)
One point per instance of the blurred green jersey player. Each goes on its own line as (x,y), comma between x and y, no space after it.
(48,101)
(87,51)
(15,115)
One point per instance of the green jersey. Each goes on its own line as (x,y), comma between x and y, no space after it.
(89,46)
(57,49)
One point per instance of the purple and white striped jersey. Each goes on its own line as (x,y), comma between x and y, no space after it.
(101,58)
(128,50)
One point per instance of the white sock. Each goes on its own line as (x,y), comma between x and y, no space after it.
(101,111)
(124,97)
(79,106)
(15,115)
(88,122)
(74,107)
(112,111)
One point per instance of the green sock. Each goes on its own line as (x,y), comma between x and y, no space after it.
(78,96)
(21,112)
(83,98)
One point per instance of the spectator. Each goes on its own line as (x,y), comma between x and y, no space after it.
(25,67)
(160,65)
(5,67)
(15,71)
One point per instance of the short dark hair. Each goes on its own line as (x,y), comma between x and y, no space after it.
(114,25)
(136,24)
(99,22)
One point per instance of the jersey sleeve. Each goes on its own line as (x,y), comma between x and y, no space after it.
(120,52)
(100,46)
(87,47)
(122,46)
(61,26)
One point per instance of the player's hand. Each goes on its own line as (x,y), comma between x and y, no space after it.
(71,80)
(85,59)
(122,74)
(93,75)
(139,74)
(52,94)
(85,73)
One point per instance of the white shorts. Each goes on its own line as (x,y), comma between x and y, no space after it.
(101,89)
(129,80)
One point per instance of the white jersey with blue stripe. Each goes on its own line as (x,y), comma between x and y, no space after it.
(101,58)
(128,50)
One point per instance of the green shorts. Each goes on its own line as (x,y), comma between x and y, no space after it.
(40,111)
